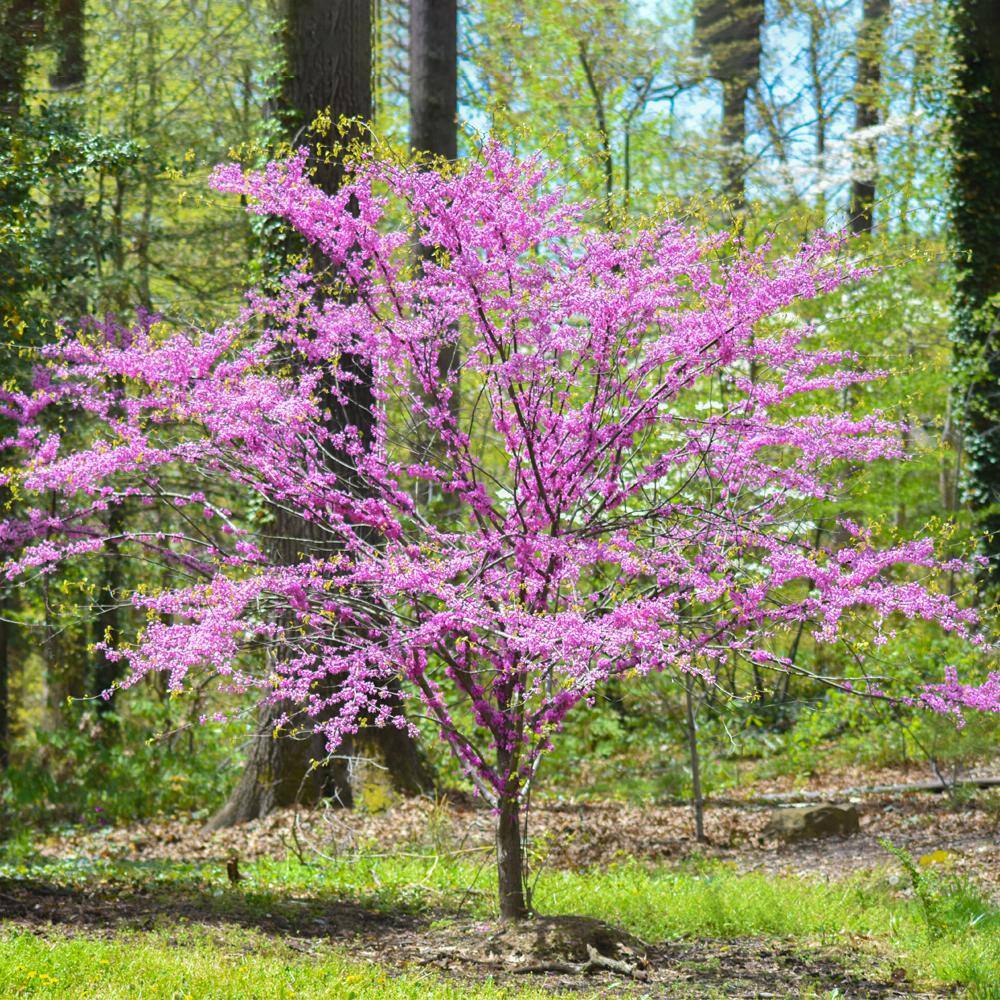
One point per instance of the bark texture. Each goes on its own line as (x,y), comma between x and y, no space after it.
(71,66)
(328,67)
(727,33)
(510,861)
(434,130)
(975,185)
(867,114)
(20,24)
(279,773)
(434,77)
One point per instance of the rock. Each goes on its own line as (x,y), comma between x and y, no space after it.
(811,822)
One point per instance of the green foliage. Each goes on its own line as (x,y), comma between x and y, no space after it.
(949,906)
(52,244)
(108,770)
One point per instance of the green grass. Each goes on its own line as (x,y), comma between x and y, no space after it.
(866,920)
(204,965)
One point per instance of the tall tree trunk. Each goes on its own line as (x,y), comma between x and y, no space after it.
(20,21)
(867,113)
(975,186)
(818,102)
(328,68)
(143,237)
(71,65)
(603,133)
(433,85)
(697,802)
(727,33)
(68,76)
(734,134)
(434,77)
(327,46)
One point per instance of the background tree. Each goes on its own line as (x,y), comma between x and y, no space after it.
(592,83)
(434,77)
(729,35)
(20,20)
(975,133)
(326,76)
(868,101)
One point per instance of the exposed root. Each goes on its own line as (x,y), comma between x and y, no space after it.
(595,962)
(568,945)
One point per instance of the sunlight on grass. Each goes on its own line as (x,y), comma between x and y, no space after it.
(863,918)
(715,901)
(208,964)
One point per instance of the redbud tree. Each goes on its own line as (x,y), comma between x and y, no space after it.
(530,459)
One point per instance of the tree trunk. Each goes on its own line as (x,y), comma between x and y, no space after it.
(280,772)
(328,68)
(434,77)
(819,103)
(71,66)
(68,203)
(434,130)
(20,22)
(734,134)
(697,802)
(867,104)
(603,133)
(975,187)
(4,683)
(727,33)
(510,860)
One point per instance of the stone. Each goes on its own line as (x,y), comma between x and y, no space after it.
(812,822)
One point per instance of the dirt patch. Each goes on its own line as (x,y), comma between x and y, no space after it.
(462,950)
(735,968)
(109,908)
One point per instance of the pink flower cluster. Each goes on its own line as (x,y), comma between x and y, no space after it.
(623,488)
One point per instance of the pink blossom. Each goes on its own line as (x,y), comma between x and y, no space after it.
(615,496)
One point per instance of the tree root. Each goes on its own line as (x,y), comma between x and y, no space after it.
(595,962)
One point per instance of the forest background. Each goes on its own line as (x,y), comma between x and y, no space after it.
(768,120)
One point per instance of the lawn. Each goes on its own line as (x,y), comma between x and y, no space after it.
(414,925)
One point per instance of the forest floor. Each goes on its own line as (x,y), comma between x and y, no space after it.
(398,902)
(582,834)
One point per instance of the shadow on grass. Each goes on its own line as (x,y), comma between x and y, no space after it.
(108,907)
(458,947)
